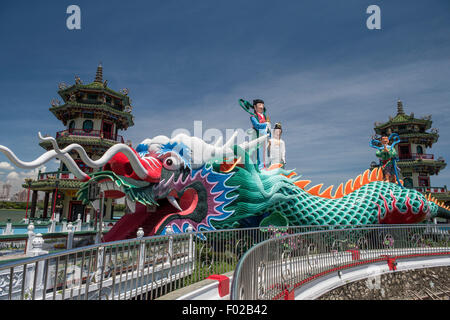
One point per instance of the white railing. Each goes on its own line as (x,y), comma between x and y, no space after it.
(276,268)
(144,268)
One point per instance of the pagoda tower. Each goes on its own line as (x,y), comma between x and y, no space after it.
(93,115)
(416,163)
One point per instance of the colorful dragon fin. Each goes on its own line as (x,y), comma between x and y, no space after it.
(339,192)
(327,193)
(274,166)
(343,189)
(365,178)
(373,175)
(315,191)
(357,183)
(348,186)
(302,183)
(380,174)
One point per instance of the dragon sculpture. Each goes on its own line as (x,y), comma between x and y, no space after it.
(184,181)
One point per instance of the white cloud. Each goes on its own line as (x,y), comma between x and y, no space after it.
(6,166)
(12,176)
(17,178)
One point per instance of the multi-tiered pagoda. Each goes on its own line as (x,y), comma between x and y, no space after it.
(93,114)
(415,161)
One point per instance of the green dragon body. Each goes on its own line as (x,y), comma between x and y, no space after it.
(166,184)
(241,195)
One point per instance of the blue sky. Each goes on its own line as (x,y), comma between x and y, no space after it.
(321,72)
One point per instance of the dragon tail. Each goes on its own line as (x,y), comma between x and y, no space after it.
(443,210)
(443,213)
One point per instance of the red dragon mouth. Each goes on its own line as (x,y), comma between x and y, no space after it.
(165,211)
(152,219)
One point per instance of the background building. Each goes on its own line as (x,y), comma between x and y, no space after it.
(5,192)
(93,115)
(416,162)
(20,196)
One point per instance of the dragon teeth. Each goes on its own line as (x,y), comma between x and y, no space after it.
(174,202)
(168,183)
(96,204)
(130,204)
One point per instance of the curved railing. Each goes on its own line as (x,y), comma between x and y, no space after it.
(144,268)
(275,268)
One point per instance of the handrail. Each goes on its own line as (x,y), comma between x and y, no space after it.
(127,241)
(166,262)
(276,266)
(55,175)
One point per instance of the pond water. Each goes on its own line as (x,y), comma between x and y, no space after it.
(14,215)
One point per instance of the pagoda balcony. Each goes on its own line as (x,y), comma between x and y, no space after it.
(56,175)
(432,189)
(93,133)
(416,156)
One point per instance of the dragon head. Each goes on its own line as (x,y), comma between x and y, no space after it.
(184,183)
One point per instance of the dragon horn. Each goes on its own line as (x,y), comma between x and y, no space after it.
(108,155)
(253,143)
(44,158)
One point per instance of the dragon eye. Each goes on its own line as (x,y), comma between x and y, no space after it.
(172,163)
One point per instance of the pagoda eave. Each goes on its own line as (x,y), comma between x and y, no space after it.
(85,141)
(66,111)
(420,138)
(403,119)
(92,87)
(430,166)
(51,184)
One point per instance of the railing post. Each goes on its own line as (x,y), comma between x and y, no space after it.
(57,216)
(64,226)
(52,228)
(78,228)
(69,236)
(31,236)
(35,282)
(8,229)
(99,272)
(140,235)
(169,232)
(190,230)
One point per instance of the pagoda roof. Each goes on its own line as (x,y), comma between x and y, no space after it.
(94,86)
(98,86)
(402,118)
(417,163)
(419,134)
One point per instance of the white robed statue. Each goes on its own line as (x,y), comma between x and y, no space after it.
(276,148)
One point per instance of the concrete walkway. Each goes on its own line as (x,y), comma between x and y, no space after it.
(13,256)
(174,295)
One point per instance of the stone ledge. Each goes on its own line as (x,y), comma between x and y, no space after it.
(404,285)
